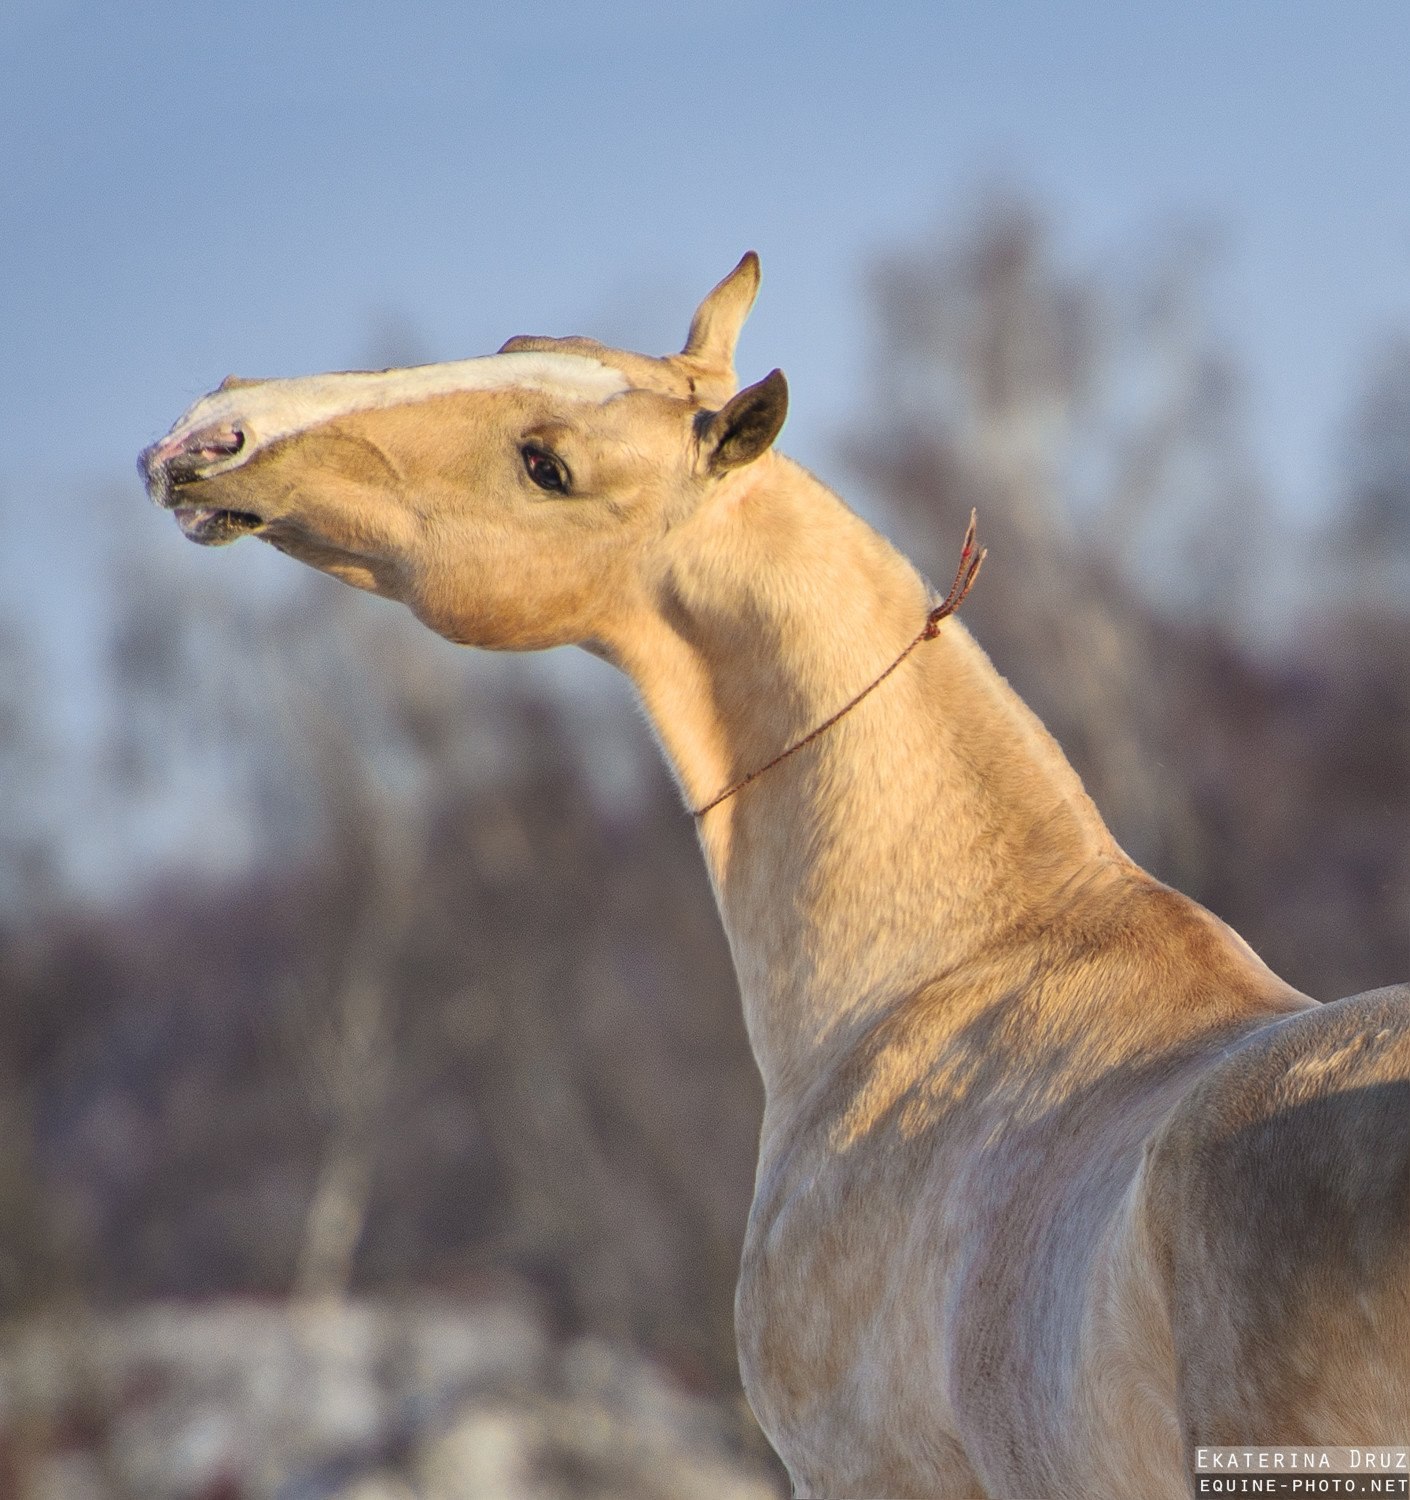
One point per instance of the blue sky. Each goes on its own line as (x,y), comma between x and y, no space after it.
(187,190)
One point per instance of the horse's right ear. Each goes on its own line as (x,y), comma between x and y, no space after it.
(745,426)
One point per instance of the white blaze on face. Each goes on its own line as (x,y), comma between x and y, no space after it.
(275,409)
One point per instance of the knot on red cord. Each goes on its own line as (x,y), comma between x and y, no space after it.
(971,560)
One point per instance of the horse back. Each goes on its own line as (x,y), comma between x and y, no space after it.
(1278,1202)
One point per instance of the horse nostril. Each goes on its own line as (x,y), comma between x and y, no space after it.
(199,450)
(216,443)
(187,458)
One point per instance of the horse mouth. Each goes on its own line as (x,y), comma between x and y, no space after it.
(210,527)
(181,463)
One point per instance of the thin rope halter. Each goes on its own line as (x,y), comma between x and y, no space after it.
(971,560)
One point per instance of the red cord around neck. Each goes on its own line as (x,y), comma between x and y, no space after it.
(971,560)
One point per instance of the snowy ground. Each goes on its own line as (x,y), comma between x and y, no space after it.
(369,1401)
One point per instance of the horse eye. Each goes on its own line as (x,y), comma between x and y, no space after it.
(545,470)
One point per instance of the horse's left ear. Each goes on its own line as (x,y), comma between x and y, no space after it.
(746,425)
(714,330)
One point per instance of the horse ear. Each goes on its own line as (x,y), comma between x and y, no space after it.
(746,425)
(714,330)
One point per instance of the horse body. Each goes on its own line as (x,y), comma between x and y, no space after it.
(961,1218)
(1057,1180)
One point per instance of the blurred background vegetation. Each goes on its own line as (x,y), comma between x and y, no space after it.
(394,1134)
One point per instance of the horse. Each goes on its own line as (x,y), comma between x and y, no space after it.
(1058,1183)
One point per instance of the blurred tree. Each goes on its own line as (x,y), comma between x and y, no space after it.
(417,1005)
(1373,521)
(1071,411)
(34,1261)
(1094,410)
(1094,420)
(28,877)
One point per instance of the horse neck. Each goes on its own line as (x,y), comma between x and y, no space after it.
(935,815)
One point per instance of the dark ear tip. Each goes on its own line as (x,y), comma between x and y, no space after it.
(748,270)
(773,392)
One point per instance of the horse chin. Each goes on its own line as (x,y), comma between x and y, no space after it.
(208,526)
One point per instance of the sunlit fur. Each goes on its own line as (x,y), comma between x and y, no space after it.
(1056,1178)
(270,410)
